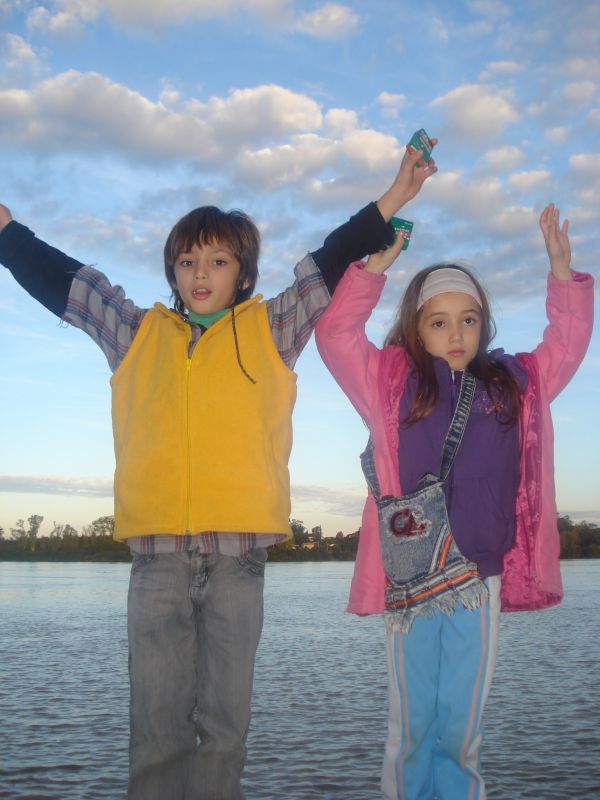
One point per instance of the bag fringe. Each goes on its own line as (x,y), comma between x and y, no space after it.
(471,596)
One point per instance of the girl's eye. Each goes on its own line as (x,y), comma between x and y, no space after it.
(438,323)
(471,321)
(185,262)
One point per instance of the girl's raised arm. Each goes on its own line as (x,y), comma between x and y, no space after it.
(557,242)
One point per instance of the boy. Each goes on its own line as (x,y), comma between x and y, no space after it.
(202,402)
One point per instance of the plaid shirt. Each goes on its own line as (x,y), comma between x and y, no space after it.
(112,321)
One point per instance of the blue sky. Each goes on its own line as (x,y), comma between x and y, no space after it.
(119,117)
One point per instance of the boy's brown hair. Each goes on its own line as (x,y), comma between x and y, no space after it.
(211,224)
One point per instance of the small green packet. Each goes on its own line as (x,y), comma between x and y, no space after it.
(421,141)
(403,225)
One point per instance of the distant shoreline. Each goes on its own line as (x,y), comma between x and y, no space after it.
(578,540)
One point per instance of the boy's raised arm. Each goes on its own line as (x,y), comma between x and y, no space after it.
(407,183)
(369,231)
(5,216)
(43,271)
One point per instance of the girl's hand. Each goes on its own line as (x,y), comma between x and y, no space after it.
(379,262)
(407,183)
(557,242)
(5,216)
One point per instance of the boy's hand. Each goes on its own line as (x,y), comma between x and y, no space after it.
(407,184)
(379,262)
(557,242)
(5,216)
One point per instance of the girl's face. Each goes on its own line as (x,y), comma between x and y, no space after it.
(449,327)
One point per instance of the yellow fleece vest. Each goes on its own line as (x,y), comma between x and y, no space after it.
(198,446)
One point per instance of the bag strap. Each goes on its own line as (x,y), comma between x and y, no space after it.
(458,424)
(451,442)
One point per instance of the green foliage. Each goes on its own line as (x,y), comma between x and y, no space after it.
(299,531)
(96,543)
(64,542)
(578,540)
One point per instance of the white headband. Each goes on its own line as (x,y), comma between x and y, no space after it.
(447,279)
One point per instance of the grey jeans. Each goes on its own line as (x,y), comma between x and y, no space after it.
(194,623)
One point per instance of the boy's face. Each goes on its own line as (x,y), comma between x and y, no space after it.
(207,277)
(450,327)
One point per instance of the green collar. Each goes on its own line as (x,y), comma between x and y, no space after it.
(206,320)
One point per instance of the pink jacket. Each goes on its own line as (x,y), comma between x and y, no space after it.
(374,381)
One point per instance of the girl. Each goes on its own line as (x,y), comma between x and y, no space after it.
(460,521)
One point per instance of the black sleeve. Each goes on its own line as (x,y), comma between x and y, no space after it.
(43,271)
(364,233)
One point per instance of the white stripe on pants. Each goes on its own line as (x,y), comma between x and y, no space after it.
(439,677)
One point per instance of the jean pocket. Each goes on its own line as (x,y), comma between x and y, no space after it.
(140,560)
(254,561)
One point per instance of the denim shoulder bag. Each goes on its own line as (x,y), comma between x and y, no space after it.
(424,568)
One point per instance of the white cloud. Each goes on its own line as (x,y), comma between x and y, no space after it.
(18,60)
(593,117)
(361,154)
(252,113)
(342,502)
(501,68)
(65,16)
(89,113)
(372,148)
(340,121)
(17,51)
(505,67)
(273,167)
(525,181)
(330,21)
(490,8)
(50,484)
(558,135)
(481,204)
(439,29)
(478,197)
(504,159)
(586,166)
(588,68)
(579,93)
(391,104)
(475,111)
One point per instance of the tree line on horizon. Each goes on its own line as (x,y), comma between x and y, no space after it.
(96,543)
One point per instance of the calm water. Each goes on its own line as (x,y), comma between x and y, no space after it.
(320,696)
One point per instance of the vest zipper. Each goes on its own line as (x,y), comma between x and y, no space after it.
(188,384)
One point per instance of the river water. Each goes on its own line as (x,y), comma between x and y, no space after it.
(320,696)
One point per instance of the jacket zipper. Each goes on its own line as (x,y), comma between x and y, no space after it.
(188,384)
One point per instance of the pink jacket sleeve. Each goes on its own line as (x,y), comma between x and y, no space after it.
(342,341)
(531,575)
(570,310)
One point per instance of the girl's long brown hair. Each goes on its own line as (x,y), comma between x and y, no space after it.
(499,383)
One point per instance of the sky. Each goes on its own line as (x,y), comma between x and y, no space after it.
(116,118)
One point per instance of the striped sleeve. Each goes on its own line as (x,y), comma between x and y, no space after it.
(103,312)
(294,313)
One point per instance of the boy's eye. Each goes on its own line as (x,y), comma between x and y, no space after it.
(220,262)
(185,262)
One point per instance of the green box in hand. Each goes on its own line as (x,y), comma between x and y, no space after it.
(403,225)
(421,141)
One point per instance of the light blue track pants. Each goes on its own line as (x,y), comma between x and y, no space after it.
(439,677)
